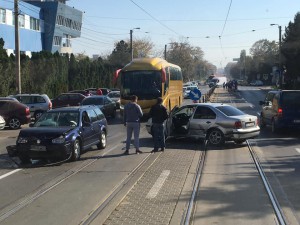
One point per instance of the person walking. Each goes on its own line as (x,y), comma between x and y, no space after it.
(131,119)
(159,114)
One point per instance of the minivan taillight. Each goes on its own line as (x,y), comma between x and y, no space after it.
(279,112)
(50,105)
(238,124)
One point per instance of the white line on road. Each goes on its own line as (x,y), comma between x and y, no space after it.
(158,184)
(298,150)
(9,173)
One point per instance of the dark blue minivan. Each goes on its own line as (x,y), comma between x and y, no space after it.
(281,109)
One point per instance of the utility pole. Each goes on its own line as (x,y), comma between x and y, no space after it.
(165,52)
(280,66)
(131,48)
(17,48)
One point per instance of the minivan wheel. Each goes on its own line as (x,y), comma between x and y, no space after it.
(76,150)
(273,127)
(216,137)
(262,122)
(14,123)
(102,143)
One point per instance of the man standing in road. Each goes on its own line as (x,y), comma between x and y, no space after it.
(159,114)
(132,116)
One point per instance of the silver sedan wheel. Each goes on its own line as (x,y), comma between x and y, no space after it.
(216,137)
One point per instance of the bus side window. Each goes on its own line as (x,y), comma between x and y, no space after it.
(167,80)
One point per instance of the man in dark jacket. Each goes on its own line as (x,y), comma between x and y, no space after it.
(132,116)
(159,114)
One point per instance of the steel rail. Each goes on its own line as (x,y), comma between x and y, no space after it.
(191,204)
(276,206)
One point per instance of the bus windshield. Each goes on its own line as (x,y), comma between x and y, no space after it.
(144,84)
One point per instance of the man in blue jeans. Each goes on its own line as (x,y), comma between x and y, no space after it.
(132,116)
(159,114)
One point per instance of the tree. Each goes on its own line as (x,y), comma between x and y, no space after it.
(290,49)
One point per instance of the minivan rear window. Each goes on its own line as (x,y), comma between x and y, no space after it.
(289,99)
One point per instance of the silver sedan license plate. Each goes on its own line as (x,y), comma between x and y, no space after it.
(39,148)
(251,124)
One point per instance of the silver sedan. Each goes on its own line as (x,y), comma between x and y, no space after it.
(215,122)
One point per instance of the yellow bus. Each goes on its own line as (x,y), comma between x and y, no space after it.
(149,78)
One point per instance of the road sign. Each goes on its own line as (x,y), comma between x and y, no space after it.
(195,94)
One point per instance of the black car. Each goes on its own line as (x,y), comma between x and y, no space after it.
(63,133)
(281,109)
(105,103)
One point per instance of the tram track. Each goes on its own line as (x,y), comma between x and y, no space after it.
(188,215)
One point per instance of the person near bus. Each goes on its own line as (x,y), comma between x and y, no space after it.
(159,114)
(131,118)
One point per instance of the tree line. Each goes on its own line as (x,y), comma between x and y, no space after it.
(265,63)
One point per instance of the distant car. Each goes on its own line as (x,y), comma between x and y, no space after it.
(187,90)
(62,133)
(215,122)
(281,110)
(67,99)
(256,83)
(2,123)
(107,106)
(37,103)
(115,96)
(83,92)
(14,113)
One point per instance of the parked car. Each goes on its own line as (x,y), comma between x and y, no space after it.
(14,113)
(83,92)
(9,98)
(67,99)
(256,83)
(62,134)
(37,103)
(107,106)
(215,122)
(281,110)
(115,96)
(2,123)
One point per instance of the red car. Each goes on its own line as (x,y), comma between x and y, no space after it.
(14,113)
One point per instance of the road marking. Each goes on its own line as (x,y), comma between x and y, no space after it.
(9,173)
(158,184)
(298,150)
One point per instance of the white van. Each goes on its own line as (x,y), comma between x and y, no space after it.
(219,81)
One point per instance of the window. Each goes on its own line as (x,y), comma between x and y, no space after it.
(21,21)
(56,40)
(34,24)
(2,16)
(99,113)
(204,113)
(92,115)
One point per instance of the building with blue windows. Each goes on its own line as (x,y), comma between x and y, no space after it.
(46,25)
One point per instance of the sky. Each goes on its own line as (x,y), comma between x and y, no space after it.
(221,28)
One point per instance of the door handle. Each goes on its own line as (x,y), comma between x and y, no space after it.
(208,122)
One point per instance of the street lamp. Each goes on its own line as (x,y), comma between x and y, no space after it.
(280,73)
(131,48)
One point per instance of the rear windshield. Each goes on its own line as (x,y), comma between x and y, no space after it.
(290,99)
(230,111)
